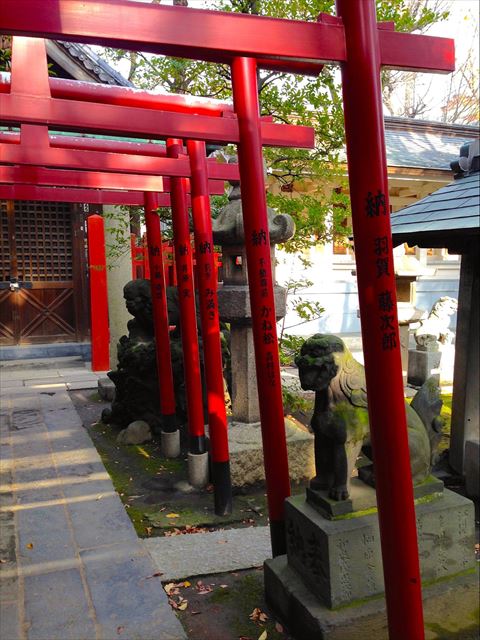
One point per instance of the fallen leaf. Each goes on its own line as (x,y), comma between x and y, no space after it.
(148,531)
(29,545)
(187,583)
(99,497)
(2,561)
(120,630)
(155,575)
(203,588)
(195,613)
(278,627)
(169,587)
(183,605)
(258,615)
(223,586)
(263,636)
(173,515)
(222,541)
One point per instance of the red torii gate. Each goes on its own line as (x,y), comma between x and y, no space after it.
(32,148)
(99,319)
(361,46)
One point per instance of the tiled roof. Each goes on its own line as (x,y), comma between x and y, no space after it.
(93,64)
(452,209)
(424,144)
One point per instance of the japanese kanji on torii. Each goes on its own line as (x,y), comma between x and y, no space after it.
(362,47)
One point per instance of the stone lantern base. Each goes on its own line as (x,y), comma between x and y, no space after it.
(246,453)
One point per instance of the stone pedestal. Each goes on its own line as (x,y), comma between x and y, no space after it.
(336,563)
(422,365)
(246,453)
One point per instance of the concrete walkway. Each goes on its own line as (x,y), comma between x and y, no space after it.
(72,566)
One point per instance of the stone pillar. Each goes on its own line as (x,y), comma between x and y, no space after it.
(466,380)
(244,377)
(119,272)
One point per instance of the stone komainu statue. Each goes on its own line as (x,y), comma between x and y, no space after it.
(434,329)
(135,378)
(340,419)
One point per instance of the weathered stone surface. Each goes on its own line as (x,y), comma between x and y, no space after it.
(341,422)
(228,225)
(244,378)
(26,418)
(234,302)
(180,557)
(450,609)
(246,453)
(106,389)
(422,365)
(56,607)
(340,560)
(363,497)
(137,432)
(128,604)
(10,621)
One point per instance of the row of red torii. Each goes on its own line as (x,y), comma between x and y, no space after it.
(35,162)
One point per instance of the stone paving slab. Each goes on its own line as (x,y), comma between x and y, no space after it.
(183,556)
(74,567)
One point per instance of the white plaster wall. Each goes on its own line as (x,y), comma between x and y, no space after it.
(335,289)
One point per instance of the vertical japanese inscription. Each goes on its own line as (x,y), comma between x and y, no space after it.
(368,542)
(385,304)
(344,569)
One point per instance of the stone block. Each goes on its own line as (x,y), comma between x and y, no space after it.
(450,609)
(246,453)
(127,603)
(98,518)
(363,497)
(340,560)
(180,557)
(422,365)
(234,302)
(10,621)
(44,537)
(106,389)
(56,607)
(472,468)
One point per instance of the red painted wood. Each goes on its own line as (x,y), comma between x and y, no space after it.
(186,296)
(213,35)
(378,310)
(33,147)
(74,115)
(207,290)
(257,244)
(97,269)
(84,179)
(159,306)
(128,97)
(91,180)
(90,196)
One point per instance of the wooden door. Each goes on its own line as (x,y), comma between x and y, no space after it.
(37,293)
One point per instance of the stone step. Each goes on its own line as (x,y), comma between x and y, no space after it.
(183,556)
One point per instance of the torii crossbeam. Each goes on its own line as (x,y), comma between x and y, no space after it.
(362,47)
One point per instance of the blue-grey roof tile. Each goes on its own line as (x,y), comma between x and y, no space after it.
(454,207)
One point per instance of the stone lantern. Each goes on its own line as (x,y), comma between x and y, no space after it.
(234,300)
(245,443)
